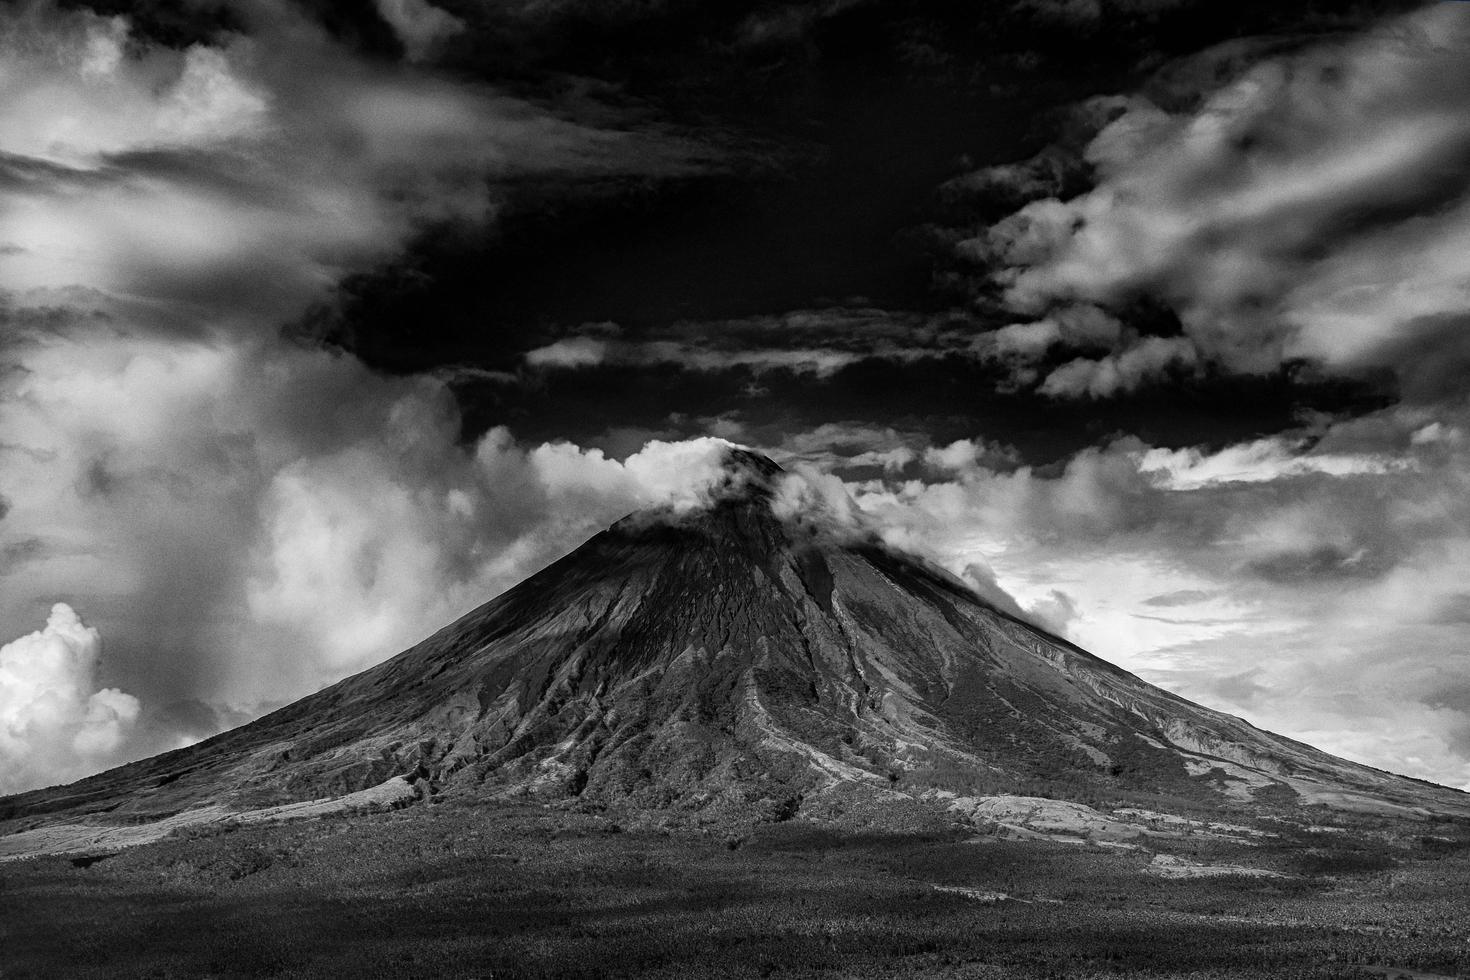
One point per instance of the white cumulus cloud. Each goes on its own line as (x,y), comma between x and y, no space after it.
(55,724)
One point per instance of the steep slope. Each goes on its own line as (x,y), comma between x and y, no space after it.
(730,658)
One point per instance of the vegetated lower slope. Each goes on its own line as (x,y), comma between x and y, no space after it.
(466,889)
(730,660)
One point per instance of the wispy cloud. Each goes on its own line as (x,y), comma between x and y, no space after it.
(1313,206)
(818,342)
(250,175)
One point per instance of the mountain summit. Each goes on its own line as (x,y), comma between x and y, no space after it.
(739,657)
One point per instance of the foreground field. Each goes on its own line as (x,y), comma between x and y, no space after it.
(455,890)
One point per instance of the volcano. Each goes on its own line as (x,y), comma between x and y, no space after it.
(741,657)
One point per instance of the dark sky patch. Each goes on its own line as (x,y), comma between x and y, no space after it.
(840,133)
(950,398)
(174,23)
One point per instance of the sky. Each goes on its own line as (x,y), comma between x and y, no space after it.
(321,324)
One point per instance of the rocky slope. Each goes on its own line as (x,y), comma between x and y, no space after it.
(731,660)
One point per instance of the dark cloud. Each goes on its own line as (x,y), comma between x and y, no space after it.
(1183,597)
(1454,695)
(1191,621)
(1323,563)
(1430,357)
(1453,609)
(1244,689)
(188,721)
(1056,612)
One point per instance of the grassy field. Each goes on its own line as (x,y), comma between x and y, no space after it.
(455,890)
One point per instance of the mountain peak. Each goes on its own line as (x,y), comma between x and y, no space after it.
(743,476)
(747,468)
(727,652)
